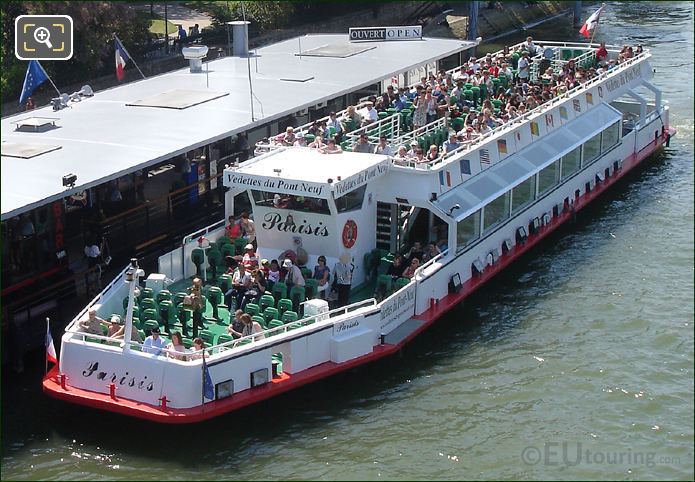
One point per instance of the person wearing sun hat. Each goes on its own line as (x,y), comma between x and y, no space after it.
(249,260)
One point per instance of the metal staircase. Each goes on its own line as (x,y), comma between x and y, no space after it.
(393,221)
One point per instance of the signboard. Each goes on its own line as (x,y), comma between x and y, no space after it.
(275,184)
(380,34)
(361,178)
(398,308)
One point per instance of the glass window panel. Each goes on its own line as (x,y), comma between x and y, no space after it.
(548,177)
(467,230)
(523,194)
(570,163)
(288,201)
(592,148)
(611,136)
(352,200)
(497,211)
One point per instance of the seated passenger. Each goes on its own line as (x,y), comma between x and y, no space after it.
(430,252)
(250,327)
(241,281)
(232,230)
(433,153)
(93,324)
(248,229)
(317,143)
(197,349)
(331,148)
(396,267)
(153,343)
(289,137)
(383,147)
(176,345)
(415,251)
(120,334)
(362,145)
(409,272)
(236,326)
(249,260)
(255,290)
(273,273)
(322,273)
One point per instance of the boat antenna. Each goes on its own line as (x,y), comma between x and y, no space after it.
(248,65)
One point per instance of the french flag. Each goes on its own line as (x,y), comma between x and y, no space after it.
(591,23)
(50,348)
(121,58)
(444,178)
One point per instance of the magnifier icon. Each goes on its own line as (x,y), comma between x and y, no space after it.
(43,36)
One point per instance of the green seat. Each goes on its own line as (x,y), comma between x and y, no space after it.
(306,273)
(222,240)
(294,325)
(225,282)
(483,92)
(252,309)
(187,342)
(148,303)
(227,250)
(279,290)
(284,305)
(467,86)
(289,316)
(216,298)
(151,314)
(224,338)
(468,94)
(167,313)
(331,131)
(185,315)
(297,295)
(197,256)
(504,80)
(260,320)
(207,336)
(383,115)
(458,123)
(311,287)
(149,325)
(178,298)
(214,258)
(266,301)
(136,312)
(239,244)
(274,324)
(391,111)
(401,282)
(146,293)
(383,285)
(163,295)
(125,303)
(142,335)
(271,313)
(309,138)
(497,103)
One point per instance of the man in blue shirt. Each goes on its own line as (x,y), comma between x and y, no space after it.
(153,343)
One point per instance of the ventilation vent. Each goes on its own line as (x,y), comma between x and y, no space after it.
(24,150)
(178,99)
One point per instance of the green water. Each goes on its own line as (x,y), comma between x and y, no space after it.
(586,345)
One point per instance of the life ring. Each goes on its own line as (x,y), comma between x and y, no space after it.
(349,233)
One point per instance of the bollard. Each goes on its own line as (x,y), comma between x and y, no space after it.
(164,403)
(112,390)
(63,379)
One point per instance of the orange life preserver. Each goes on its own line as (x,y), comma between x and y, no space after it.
(349,233)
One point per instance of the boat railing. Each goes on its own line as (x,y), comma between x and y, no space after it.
(202,232)
(513,123)
(389,126)
(429,263)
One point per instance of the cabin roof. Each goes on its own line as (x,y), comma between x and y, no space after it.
(102,137)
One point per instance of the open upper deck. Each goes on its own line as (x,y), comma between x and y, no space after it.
(109,135)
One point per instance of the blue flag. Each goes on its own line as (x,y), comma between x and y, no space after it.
(208,389)
(34,77)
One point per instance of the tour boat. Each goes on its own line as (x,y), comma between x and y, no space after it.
(492,199)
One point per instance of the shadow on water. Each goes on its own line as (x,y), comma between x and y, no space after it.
(358,390)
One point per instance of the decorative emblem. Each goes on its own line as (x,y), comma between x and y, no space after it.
(349,233)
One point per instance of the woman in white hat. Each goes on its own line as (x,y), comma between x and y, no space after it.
(342,273)
(249,260)
(294,274)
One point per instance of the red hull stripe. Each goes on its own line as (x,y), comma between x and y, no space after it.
(51,382)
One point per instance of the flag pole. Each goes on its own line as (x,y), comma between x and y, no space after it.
(128,54)
(48,77)
(202,392)
(48,329)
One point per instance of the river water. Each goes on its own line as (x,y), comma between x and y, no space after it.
(575,364)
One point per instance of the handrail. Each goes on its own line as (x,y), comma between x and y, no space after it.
(96,299)
(202,231)
(429,263)
(473,144)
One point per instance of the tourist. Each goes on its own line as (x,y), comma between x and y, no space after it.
(249,260)
(197,349)
(294,274)
(248,229)
(120,332)
(176,346)
(415,251)
(523,68)
(194,301)
(331,148)
(433,153)
(233,229)
(241,281)
(255,290)
(322,273)
(363,145)
(451,144)
(396,267)
(342,273)
(409,272)
(153,343)
(250,328)
(236,326)
(93,323)
(273,273)
(383,148)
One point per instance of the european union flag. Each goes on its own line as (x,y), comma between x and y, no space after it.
(34,77)
(208,389)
